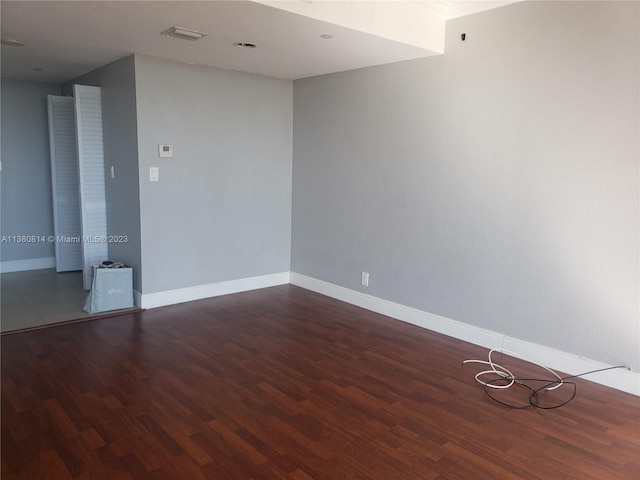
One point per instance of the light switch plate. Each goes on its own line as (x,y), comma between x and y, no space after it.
(153,174)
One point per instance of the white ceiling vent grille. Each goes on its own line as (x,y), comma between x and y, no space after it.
(184,33)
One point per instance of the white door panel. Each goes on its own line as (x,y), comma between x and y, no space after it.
(88,108)
(65,185)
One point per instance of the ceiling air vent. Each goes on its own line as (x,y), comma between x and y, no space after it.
(184,33)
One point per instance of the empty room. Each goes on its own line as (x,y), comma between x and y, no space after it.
(362,240)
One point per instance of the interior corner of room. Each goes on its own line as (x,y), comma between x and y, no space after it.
(490,192)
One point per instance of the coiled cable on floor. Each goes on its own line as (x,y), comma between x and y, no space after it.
(504,380)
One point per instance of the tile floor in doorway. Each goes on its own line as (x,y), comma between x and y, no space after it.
(40,297)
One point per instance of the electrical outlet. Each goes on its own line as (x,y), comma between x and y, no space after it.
(365,279)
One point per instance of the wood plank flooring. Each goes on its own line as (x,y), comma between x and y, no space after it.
(282,383)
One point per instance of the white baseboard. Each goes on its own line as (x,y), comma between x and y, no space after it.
(180,295)
(137,298)
(28,264)
(619,379)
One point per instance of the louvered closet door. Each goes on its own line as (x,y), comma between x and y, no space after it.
(65,186)
(88,108)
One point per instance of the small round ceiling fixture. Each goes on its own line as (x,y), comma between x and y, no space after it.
(326,36)
(12,42)
(244,45)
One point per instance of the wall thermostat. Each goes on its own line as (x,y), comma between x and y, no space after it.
(165,151)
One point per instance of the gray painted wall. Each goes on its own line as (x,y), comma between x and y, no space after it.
(121,152)
(119,123)
(27,207)
(497,185)
(222,207)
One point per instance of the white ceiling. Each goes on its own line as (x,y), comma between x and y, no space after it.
(65,39)
(449,9)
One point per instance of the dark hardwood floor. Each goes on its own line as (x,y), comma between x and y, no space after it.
(282,383)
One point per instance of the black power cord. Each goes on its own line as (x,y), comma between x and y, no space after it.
(506,380)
